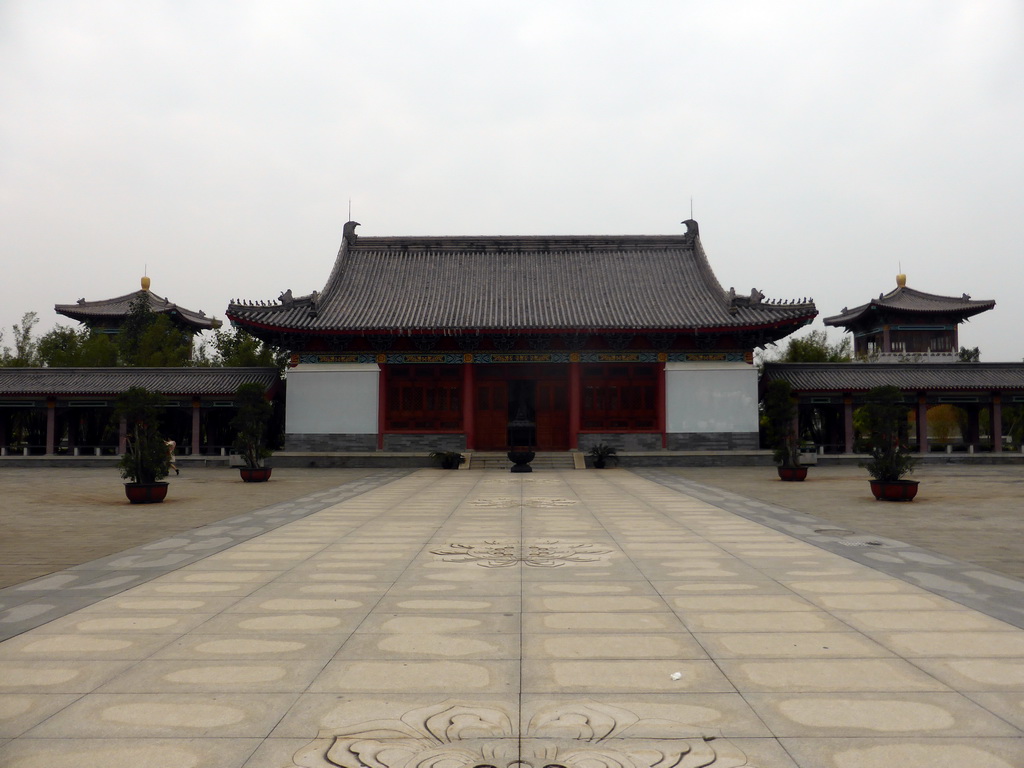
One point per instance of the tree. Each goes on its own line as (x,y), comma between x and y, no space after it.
(813,348)
(24,354)
(146,458)
(238,349)
(885,418)
(251,424)
(779,413)
(148,339)
(972,355)
(66,347)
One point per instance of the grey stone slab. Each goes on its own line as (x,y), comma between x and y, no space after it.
(991,593)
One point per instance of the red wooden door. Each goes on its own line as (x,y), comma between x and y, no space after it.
(491,415)
(552,406)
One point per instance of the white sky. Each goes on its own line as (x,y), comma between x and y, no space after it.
(219,143)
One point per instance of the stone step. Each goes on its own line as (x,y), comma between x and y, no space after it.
(498,460)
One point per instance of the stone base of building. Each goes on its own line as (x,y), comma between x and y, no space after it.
(329,443)
(713,441)
(622,441)
(413,443)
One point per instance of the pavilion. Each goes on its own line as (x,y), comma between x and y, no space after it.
(908,339)
(438,343)
(108,315)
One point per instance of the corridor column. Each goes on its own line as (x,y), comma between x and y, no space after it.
(997,422)
(847,424)
(574,404)
(468,401)
(196,431)
(922,423)
(51,425)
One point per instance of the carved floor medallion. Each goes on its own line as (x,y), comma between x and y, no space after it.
(456,735)
(541,554)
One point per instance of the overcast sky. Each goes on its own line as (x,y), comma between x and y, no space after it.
(218,144)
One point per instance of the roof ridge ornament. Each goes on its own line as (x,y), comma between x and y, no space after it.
(349,233)
(692,230)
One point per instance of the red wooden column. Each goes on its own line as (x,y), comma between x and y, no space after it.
(847,424)
(51,425)
(382,405)
(922,423)
(196,431)
(997,422)
(662,407)
(574,405)
(469,401)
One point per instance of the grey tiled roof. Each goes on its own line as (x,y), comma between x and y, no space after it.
(113,381)
(907,300)
(117,307)
(403,284)
(858,377)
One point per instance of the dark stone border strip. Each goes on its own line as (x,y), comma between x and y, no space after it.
(33,603)
(984,590)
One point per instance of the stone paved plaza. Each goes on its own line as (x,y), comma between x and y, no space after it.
(394,619)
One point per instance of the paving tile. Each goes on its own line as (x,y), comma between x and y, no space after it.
(425,645)
(126,753)
(674,645)
(848,715)
(131,715)
(21,711)
(443,677)
(790,645)
(905,752)
(597,676)
(828,675)
(232,676)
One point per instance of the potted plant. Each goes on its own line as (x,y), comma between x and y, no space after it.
(885,419)
(146,459)
(448,459)
(250,426)
(601,454)
(780,430)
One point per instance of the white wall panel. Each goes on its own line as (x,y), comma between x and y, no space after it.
(711,397)
(332,399)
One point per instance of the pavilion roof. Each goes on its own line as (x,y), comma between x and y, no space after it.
(492,284)
(860,377)
(114,381)
(907,301)
(114,310)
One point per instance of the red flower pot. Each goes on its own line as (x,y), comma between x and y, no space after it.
(145,493)
(894,490)
(254,475)
(792,474)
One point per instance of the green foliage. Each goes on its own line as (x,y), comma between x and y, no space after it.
(601,453)
(885,419)
(151,340)
(812,348)
(972,355)
(25,352)
(779,412)
(448,459)
(66,347)
(251,423)
(146,458)
(238,349)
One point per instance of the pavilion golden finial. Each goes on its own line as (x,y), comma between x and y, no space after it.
(145,283)
(901,280)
